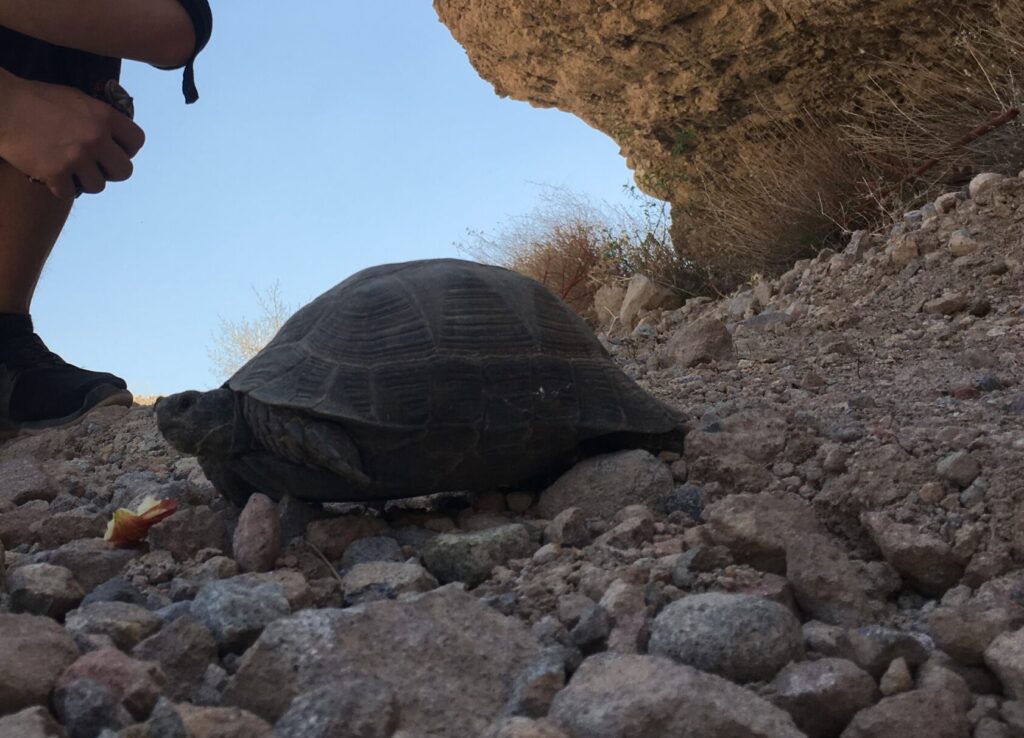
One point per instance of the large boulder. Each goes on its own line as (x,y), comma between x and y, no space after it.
(740,637)
(705,341)
(643,293)
(823,695)
(450,659)
(629,696)
(603,485)
(756,528)
(927,562)
(921,712)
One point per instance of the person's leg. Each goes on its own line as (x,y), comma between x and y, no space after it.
(37,388)
(30,221)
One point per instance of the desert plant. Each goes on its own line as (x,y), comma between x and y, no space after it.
(239,340)
(796,188)
(573,246)
(802,184)
(929,126)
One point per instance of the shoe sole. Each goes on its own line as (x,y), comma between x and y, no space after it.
(105,395)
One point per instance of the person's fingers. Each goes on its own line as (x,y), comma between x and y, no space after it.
(127,135)
(114,163)
(91,178)
(62,187)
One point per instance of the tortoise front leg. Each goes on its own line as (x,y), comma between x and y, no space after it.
(306,441)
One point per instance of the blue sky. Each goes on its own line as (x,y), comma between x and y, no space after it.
(329,137)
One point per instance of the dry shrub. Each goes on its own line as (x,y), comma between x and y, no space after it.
(925,126)
(794,189)
(240,340)
(574,247)
(800,186)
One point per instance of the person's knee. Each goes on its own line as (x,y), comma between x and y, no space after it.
(173,38)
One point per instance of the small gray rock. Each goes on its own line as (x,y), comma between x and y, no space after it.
(569,528)
(537,685)
(350,705)
(34,722)
(123,623)
(740,637)
(382,580)
(874,647)
(184,649)
(43,589)
(960,468)
(87,707)
(593,627)
(1005,657)
(236,612)
(117,589)
(470,557)
(372,549)
(823,695)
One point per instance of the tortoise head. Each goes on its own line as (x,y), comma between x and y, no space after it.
(199,423)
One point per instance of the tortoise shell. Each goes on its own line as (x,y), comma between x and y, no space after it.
(475,358)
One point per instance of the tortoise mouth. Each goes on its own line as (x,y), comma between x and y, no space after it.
(198,423)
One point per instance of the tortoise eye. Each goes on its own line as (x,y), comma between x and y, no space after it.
(187,402)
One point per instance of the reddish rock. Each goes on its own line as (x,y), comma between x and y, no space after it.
(702,342)
(34,652)
(61,528)
(222,722)
(257,542)
(16,525)
(333,536)
(925,560)
(922,712)
(827,585)
(23,480)
(756,527)
(138,684)
(569,528)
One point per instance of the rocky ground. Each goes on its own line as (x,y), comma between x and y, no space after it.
(838,552)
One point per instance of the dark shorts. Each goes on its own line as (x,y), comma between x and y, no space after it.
(39,61)
(36,60)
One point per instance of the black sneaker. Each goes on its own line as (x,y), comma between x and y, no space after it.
(38,389)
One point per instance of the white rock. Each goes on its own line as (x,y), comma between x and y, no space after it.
(983,182)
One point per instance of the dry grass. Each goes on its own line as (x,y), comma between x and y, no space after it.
(920,125)
(802,186)
(795,189)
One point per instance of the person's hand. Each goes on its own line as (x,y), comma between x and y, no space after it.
(63,138)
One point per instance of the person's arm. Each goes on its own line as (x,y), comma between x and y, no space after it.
(158,32)
(58,135)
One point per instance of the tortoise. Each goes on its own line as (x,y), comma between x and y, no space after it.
(414,378)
